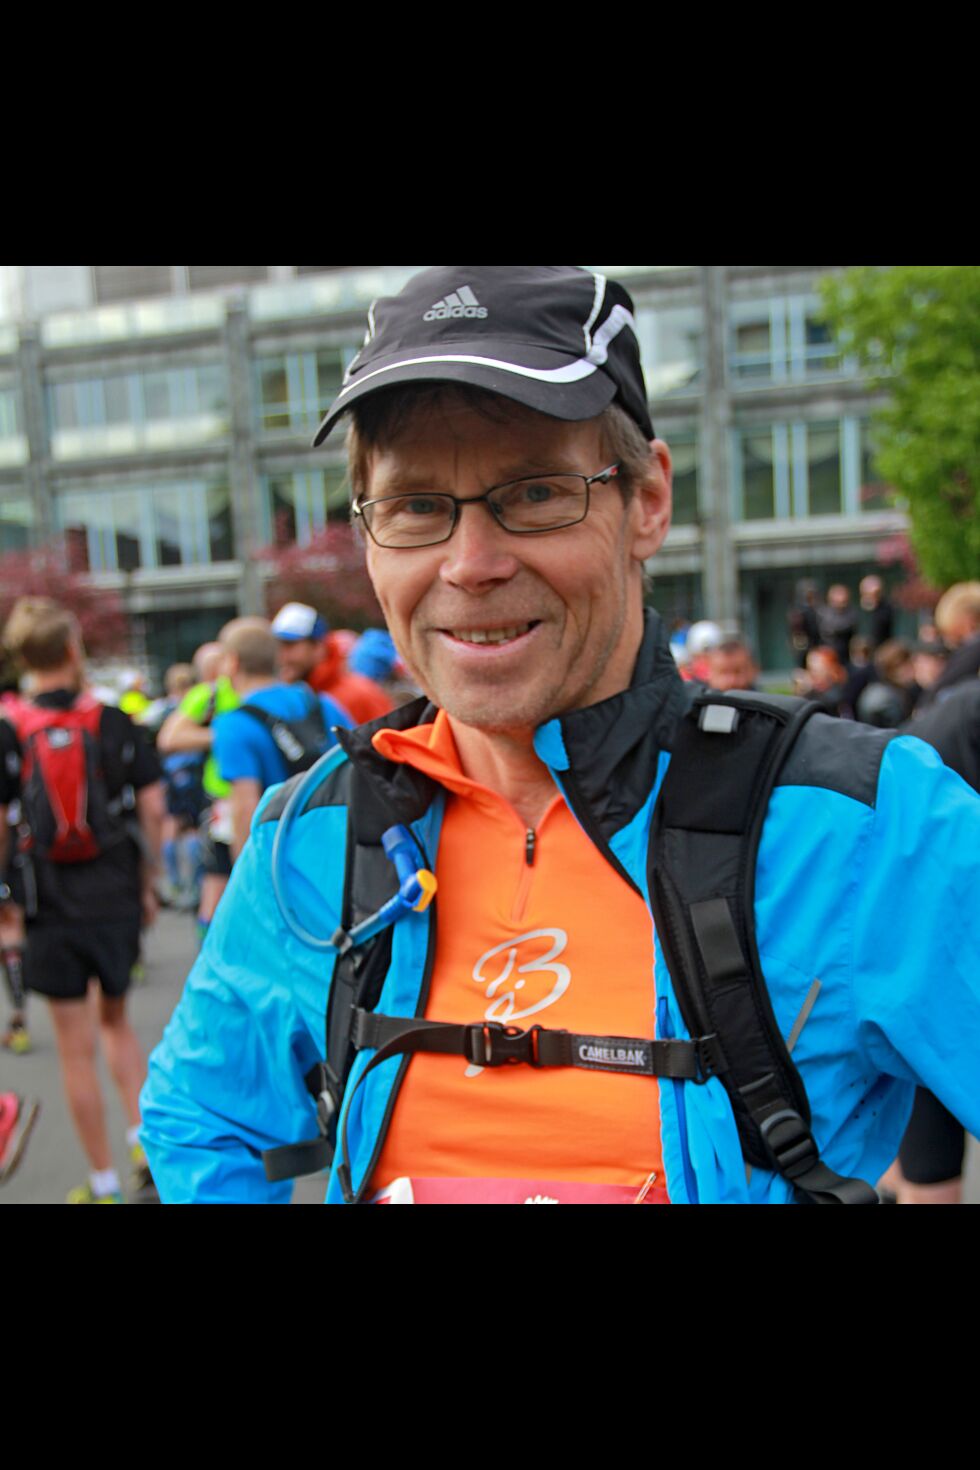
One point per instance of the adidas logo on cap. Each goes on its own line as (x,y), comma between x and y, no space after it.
(461,303)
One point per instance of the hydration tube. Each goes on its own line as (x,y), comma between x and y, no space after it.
(417,886)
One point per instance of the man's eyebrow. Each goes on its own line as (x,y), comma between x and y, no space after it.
(413,480)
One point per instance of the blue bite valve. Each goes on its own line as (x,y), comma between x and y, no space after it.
(400,849)
(417,886)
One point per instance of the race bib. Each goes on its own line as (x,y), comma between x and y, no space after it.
(515,1192)
(219,824)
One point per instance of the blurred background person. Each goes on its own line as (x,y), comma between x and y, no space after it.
(837,621)
(877,614)
(189,731)
(929,660)
(930,1167)
(889,700)
(183,781)
(701,638)
(804,626)
(958,621)
(823,680)
(307,654)
(375,657)
(732,665)
(860,673)
(246,747)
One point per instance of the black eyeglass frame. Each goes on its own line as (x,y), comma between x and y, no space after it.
(602,478)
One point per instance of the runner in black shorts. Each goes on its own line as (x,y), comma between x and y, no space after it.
(84,917)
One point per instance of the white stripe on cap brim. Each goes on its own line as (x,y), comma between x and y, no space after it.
(572,372)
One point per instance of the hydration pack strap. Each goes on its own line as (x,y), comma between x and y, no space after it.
(296,1160)
(491,1044)
(727,757)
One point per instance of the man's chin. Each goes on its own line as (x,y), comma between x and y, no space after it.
(498,717)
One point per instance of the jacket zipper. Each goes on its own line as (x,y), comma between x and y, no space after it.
(583,815)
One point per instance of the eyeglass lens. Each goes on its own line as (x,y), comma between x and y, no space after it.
(543,504)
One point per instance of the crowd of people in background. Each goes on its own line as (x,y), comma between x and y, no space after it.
(853,667)
(157,796)
(185,773)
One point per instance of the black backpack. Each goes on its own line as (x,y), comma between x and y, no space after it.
(728,752)
(300,742)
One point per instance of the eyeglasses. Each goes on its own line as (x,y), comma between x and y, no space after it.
(523,507)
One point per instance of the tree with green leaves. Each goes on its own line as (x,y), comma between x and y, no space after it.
(916,330)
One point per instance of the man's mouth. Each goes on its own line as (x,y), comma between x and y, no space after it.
(493,637)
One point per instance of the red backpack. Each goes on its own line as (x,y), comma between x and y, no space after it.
(66,809)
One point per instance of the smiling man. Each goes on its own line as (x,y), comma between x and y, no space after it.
(511,490)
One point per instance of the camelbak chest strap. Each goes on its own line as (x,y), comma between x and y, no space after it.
(490,1044)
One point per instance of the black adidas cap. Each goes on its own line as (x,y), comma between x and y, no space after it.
(554,337)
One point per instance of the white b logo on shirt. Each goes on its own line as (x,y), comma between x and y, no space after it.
(503,1005)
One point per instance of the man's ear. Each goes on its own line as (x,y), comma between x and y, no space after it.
(652,504)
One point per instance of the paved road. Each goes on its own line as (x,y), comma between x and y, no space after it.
(54,1162)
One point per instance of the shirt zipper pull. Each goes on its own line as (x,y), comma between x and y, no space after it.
(530,845)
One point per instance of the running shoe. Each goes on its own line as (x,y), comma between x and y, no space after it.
(17,1039)
(84,1195)
(140,1179)
(17,1119)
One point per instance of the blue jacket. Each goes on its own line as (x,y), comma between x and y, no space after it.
(867,881)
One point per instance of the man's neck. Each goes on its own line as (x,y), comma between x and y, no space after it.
(506,763)
(46,681)
(248,684)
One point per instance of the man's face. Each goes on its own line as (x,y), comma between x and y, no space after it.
(731,668)
(298,660)
(568,602)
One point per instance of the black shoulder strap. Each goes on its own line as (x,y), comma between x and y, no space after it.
(296,740)
(358,977)
(704,847)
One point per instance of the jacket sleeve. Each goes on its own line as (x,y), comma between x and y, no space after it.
(916,930)
(227,1080)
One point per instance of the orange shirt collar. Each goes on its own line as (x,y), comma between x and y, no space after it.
(430,749)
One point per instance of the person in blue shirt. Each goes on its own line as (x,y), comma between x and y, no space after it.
(246,753)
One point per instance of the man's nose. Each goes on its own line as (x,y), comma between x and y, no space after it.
(480,553)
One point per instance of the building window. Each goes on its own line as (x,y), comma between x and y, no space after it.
(146,527)
(16,523)
(824,469)
(297,504)
(781,339)
(751,341)
(671,346)
(685,452)
(295,391)
(758,476)
(125,412)
(9,413)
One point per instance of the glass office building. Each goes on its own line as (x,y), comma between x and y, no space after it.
(159,419)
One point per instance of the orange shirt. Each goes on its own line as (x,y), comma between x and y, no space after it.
(558,941)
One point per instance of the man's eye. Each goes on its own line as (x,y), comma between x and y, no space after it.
(420,505)
(536,492)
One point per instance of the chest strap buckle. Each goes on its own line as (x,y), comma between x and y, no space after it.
(490,1044)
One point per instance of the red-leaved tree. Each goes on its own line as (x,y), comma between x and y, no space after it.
(47,572)
(329,573)
(914,591)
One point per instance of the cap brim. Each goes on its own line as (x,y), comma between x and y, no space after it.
(549,382)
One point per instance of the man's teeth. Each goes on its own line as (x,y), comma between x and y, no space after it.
(499,635)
